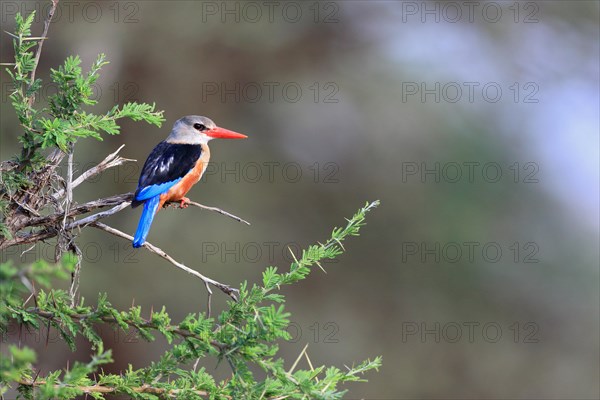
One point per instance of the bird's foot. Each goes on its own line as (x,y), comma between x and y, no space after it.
(184,202)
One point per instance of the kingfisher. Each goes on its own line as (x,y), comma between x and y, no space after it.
(174,166)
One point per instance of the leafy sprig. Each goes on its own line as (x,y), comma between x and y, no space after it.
(246,334)
(59,125)
(64,121)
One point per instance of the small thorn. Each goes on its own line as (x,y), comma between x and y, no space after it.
(48,334)
(36,376)
(11,34)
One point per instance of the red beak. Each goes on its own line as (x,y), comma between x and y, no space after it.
(222,133)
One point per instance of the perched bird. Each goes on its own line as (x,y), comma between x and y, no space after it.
(174,166)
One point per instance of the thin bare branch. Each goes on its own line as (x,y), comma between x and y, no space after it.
(119,203)
(51,231)
(164,393)
(81,209)
(74,288)
(30,238)
(69,198)
(232,292)
(209,300)
(218,210)
(26,207)
(112,160)
(95,217)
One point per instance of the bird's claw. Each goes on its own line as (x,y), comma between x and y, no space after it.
(184,203)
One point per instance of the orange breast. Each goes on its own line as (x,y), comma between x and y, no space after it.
(179,190)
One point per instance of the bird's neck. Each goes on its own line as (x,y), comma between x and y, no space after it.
(205,151)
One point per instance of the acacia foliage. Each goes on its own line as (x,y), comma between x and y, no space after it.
(246,334)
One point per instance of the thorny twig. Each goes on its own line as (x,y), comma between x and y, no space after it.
(38,53)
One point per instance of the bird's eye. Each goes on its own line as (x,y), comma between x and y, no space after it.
(200,127)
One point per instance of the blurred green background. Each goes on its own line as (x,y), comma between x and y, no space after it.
(476,124)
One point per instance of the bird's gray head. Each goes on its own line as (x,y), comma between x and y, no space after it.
(191,130)
(194,129)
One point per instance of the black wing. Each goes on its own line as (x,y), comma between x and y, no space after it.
(165,166)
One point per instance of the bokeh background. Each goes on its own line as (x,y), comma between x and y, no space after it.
(476,125)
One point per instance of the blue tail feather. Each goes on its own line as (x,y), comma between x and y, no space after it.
(143,228)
